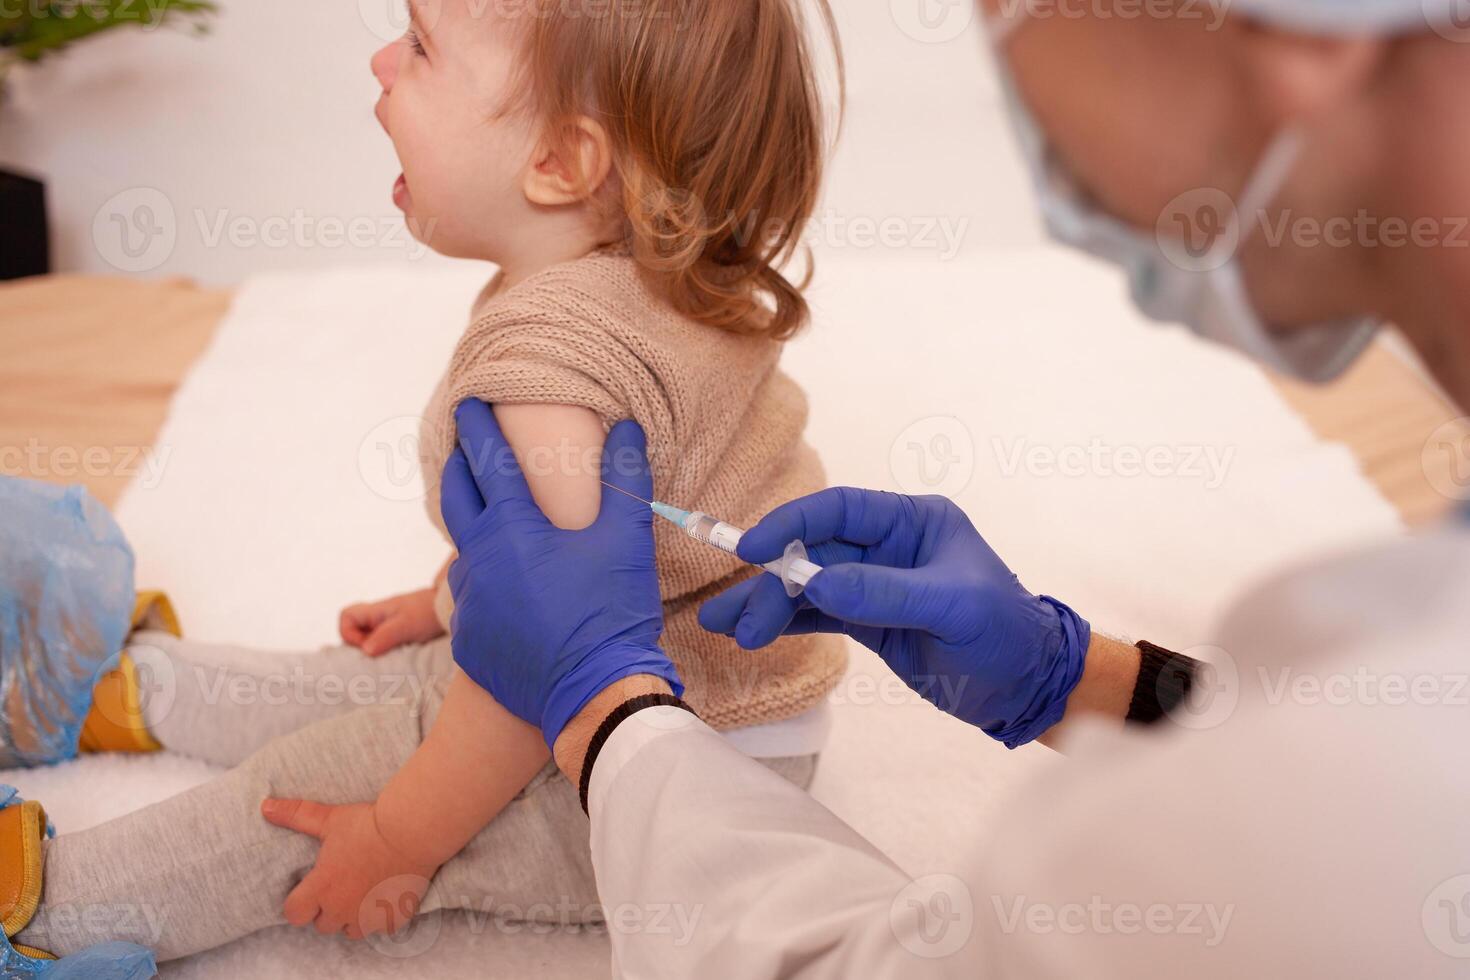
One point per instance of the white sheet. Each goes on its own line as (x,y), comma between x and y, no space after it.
(276,508)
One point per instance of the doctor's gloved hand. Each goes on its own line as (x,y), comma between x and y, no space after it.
(911,579)
(545,619)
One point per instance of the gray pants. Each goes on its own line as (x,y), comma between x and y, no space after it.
(204,868)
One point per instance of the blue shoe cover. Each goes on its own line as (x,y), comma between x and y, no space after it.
(107,961)
(66,604)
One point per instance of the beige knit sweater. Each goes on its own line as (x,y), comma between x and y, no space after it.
(724,429)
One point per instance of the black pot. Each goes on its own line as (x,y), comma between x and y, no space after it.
(25,248)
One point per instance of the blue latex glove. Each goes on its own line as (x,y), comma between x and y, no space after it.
(545,619)
(911,579)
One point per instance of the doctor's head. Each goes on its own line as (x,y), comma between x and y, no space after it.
(1281,175)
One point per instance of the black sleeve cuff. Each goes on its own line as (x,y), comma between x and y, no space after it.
(1164,680)
(609,724)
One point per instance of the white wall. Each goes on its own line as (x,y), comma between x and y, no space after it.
(266,125)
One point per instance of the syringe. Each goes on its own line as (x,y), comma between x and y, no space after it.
(792,568)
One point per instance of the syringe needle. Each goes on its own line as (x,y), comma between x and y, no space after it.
(626,493)
(792,568)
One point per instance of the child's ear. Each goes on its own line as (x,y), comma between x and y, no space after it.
(571,169)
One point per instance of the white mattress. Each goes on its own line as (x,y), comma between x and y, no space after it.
(276,509)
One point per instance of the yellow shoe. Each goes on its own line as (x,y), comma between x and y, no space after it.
(31,951)
(154,611)
(22,828)
(115,722)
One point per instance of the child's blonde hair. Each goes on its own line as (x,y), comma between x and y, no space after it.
(716,124)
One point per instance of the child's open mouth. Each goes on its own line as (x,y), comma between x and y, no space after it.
(401,196)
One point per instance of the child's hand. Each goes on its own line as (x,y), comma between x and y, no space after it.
(377,627)
(361,884)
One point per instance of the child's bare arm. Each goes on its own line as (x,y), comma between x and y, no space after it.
(473,762)
(476,757)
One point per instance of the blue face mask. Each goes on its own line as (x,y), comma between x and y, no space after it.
(1170,280)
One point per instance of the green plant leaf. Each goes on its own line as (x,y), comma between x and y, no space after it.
(43,30)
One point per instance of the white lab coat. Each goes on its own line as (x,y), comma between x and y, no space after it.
(1311,820)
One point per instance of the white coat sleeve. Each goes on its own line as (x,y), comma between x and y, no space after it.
(709,864)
